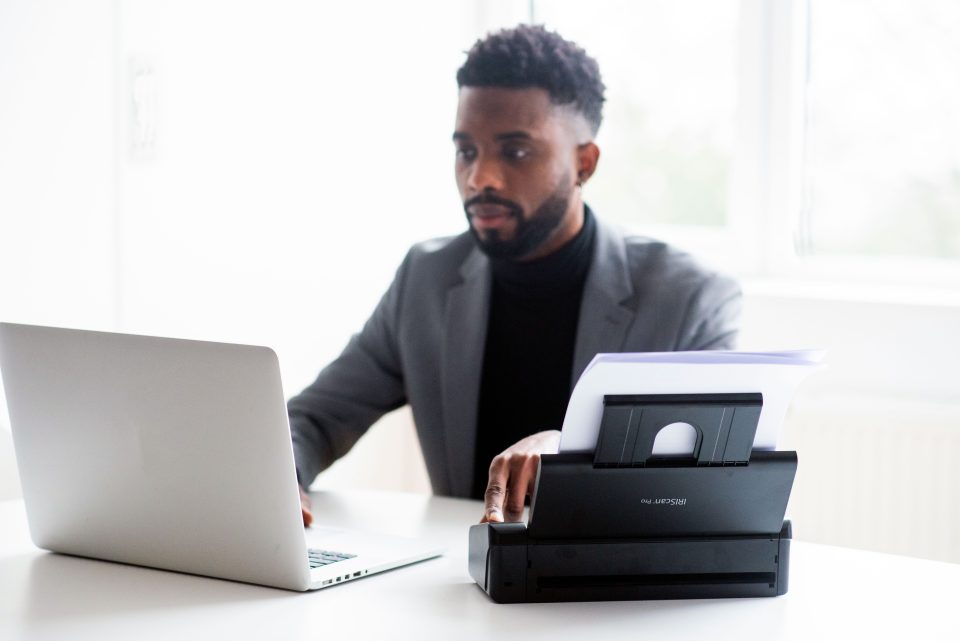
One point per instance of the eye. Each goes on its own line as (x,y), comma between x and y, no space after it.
(466,153)
(514,152)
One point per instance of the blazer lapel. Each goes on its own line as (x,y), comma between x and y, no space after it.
(465,327)
(604,316)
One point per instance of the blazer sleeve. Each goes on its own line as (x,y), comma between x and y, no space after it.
(352,392)
(712,318)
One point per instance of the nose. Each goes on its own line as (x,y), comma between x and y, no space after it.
(485,174)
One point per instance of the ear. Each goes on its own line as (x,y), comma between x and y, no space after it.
(588,154)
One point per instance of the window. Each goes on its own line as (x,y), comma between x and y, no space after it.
(669,121)
(882,166)
(796,138)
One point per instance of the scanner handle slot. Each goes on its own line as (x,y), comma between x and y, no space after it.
(725,426)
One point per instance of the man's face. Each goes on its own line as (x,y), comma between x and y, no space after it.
(517,170)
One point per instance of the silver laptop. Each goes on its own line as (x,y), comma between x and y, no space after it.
(171,454)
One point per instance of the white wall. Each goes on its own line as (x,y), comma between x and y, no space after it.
(237,171)
(57,206)
(300,148)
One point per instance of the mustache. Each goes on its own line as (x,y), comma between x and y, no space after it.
(490,199)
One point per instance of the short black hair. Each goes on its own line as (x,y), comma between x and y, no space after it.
(528,56)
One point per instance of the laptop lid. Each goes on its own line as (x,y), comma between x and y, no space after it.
(162,452)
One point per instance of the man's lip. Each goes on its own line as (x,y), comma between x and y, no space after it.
(490,210)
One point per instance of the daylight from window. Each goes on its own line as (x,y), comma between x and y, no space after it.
(669,121)
(883,136)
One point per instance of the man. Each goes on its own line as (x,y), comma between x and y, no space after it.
(484,334)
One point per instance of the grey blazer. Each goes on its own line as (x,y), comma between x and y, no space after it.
(424,344)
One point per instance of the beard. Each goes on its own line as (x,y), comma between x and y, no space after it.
(530,232)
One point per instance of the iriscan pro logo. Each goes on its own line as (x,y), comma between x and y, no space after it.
(664,501)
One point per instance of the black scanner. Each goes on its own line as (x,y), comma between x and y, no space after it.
(621,523)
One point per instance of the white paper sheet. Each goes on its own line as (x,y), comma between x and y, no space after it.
(775,375)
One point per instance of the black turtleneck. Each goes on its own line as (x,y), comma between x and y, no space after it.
(528,359)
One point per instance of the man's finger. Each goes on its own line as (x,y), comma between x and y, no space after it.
(305,508)
(518,487)
(496,490)
(493,502)
(515,492)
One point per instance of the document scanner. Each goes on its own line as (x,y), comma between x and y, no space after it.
(623,523)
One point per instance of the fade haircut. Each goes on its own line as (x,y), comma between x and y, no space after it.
(529,56)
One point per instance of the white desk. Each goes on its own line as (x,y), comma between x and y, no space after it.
(834,593)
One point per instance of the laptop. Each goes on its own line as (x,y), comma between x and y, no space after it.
(172,454)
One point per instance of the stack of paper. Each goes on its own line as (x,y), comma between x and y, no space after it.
(775,375)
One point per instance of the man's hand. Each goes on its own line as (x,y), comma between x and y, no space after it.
(305,508)
(512,475)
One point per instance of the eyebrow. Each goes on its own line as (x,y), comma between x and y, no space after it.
(514,135)
(509,135)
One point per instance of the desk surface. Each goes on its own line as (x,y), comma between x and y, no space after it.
(834,593)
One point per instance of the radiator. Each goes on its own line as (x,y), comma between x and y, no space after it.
(877,474)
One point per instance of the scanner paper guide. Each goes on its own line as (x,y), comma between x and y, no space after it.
(775,375)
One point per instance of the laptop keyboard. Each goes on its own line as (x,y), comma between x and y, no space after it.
(319,558)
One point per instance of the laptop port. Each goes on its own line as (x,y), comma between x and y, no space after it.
(356,574)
